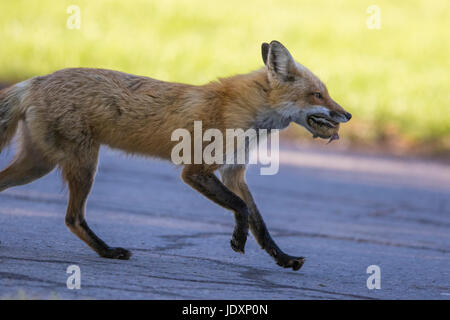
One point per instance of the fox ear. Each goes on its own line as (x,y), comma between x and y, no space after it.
(279,61)
(265,51)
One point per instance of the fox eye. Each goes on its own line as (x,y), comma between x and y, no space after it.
(318,95)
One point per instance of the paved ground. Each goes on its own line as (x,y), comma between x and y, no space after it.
(342,212)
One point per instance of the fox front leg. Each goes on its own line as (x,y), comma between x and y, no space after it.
(210,186)
(234,178)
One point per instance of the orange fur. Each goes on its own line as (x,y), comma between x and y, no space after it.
(67,115)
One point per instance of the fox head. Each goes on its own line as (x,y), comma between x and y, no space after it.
(297,95)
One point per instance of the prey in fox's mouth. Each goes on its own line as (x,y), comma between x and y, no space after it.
(323,127)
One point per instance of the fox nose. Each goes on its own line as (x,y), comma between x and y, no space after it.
(340,115)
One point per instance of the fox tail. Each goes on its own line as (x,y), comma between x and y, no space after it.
(12,110)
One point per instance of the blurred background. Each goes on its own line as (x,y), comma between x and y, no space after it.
(344,206)
(387,62)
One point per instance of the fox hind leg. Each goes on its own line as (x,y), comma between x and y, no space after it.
(79,176)
(28,165)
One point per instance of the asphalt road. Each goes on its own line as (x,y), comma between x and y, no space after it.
(342,212)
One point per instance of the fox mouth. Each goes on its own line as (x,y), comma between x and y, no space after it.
(321,121)
(322,126)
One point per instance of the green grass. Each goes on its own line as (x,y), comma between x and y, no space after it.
(397,76)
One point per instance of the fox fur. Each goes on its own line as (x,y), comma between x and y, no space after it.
(66,116)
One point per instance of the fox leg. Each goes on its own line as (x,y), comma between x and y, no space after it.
(80,177)
(234,179)
(211,187)
(28,165)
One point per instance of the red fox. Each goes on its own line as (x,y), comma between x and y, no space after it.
(64,117)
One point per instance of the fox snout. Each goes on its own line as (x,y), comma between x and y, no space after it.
(323,121)
(342,116)
(335,111)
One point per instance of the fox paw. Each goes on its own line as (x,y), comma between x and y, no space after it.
(287,261)
(238,241)
(116,253)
